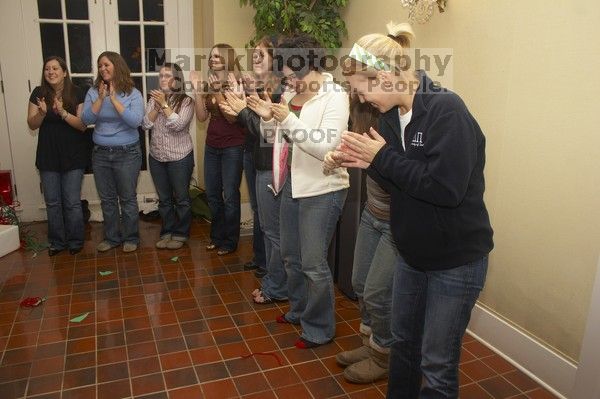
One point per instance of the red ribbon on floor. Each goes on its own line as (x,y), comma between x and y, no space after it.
(273,354)
(32,302)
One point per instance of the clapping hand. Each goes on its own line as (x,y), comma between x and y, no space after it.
(58,106)
(333,160)
(237,104)
(234,86)
(261,107)
(159,97)
(360,149)
(197,82)
(214,82)
(102,89)
(280,111)
(42,107)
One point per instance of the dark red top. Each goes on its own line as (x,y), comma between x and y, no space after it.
(221,133)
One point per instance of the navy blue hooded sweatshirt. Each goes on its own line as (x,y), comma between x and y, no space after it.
(438,217)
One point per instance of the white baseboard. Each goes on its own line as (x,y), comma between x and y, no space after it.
(551,370)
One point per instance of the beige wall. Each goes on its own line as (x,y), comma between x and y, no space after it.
(528,71)
(222,21)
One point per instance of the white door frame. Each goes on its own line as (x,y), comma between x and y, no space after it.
(22,71)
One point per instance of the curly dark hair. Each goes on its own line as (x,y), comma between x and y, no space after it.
(301,53)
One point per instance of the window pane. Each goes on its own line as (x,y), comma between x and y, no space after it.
(129,10)
(129,37)
(154,10)
(137,81)
(151,84)
(77,9)
(53,40)
(83,82)
(80,48)
(49,9)
(154,37)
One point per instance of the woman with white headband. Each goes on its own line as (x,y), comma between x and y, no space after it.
(429,154)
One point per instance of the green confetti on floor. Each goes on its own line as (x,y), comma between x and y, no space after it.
(174,258)
(106,273)
(79,318)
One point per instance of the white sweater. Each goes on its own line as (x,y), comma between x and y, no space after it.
(318,130)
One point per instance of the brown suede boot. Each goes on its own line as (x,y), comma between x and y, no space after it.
(347,358)
(371,369)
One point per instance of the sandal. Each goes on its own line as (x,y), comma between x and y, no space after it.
(211,247)
(223,252)
(262,299)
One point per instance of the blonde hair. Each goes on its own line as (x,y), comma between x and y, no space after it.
(389,48)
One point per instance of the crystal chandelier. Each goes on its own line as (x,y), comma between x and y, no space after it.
(420,11)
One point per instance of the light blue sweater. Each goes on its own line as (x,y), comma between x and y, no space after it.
(113,128)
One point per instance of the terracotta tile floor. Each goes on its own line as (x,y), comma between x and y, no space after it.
(179,328)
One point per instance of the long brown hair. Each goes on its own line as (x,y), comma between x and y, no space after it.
(69,95)
(177,97)
(273,81)
(227,54)
(121,74)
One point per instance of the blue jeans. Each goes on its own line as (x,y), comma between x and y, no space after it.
(258,241)
(307,227)
(375,257)
(222,177)
(430,314)
(62,194)
(172,183)
(116,171)
(274,283)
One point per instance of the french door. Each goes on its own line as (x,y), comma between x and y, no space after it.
(79,30)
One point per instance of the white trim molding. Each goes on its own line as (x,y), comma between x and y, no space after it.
(587,383)
(547,367)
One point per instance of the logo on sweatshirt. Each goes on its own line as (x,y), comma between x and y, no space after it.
(417,141)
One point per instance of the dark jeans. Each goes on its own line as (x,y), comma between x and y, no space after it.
(430,313)
(62,194)
(172,183)
(222,177)
(116,171)
(258,237)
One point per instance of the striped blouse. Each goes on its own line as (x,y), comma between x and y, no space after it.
(170,139)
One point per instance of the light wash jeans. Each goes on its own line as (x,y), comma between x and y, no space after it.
(116,171)
(274,283)
(375,258)
(307,227)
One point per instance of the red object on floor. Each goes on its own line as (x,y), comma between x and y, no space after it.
(32,302)
(6,187)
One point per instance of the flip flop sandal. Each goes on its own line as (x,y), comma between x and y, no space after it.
(223,252)
(211,247)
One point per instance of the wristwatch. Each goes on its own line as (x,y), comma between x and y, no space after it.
(165,106)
